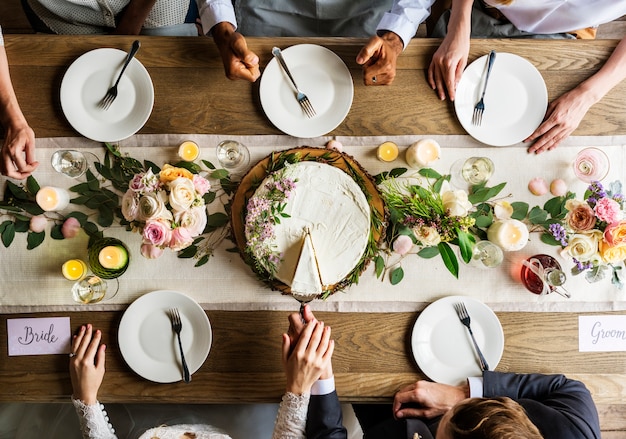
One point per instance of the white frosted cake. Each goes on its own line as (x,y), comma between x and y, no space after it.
(332,207)
(306,281)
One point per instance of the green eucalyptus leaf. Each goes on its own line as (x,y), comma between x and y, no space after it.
(428,252)
(192,167)
(429,173)
(31,185)
(35,239)
(4,225)
(80,216)
(466,245)
(8,234)
(90,228)
(520,210)
(379,265)
(219,174)
(537,215)
(209,197)
(208,164)
(397,275)
(105,217)
(547,238)
(55,232)
(203,260)
(152,166)
(17,191)
(81,188)
(449,258)
(218,219)
(22,226)
(555,207)
(188,252)
(31,207)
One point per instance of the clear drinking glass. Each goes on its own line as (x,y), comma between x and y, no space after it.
(232,154)
(90,289)
(69,162)
(591,164)
(487,254)
(470,172)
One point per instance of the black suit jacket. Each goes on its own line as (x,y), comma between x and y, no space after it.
(560,408)
(324,419)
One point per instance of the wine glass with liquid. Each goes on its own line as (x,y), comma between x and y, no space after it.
(472,171)
(487,254)
(91,289)
(591,164)
(232,155)
(69,162)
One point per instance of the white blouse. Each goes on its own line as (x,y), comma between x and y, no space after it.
(556,16)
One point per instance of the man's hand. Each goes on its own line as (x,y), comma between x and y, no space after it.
(239,62)
(427,399)
(562,117)
(87,364)
(378,58)
(18,152)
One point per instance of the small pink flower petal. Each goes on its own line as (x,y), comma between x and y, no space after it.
(38,223)
(558,188)
(70,228)
(402,245)
(335,144)
(150,251)
(538,186)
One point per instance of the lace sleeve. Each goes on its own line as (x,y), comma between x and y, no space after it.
(94,421)
(291,418)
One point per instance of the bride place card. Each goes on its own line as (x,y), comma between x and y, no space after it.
(39,336)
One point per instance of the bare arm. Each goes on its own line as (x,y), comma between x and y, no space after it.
(133,17)
(239,62)
(565,113)
(18,150)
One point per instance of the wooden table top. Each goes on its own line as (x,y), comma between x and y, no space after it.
(373,356)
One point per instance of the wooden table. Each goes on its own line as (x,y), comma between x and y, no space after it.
(372,359)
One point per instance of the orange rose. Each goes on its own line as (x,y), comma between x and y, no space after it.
(615,234)
(171,173)
(612,253)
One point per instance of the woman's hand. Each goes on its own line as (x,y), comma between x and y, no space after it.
(18,152)
(87,364)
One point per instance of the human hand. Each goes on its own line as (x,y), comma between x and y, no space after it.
(87,364)
(239,62)
(427,399)
(378,58)
(309,358)
(448,63)
(562,117)
(297,323)
(18,152)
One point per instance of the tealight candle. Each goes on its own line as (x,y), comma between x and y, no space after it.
(511,235)
(188,151)
(422,153)
(74,269)
(52,198)
(112,257)
(387,152)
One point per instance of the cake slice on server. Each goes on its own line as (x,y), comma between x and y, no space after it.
(307,282)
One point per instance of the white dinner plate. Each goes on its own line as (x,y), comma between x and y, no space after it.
(442,346)
(322,76)
(148,344)
(86,82)
(515,101)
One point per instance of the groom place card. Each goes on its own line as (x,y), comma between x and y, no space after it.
(39,336)
(602,333)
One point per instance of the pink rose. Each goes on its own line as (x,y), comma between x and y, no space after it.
(70,228)
(157,233)
(201,184)
(151,251)
(615,234)
(402,245)
(607,210)
(130,205)
(181,238)
(38,223)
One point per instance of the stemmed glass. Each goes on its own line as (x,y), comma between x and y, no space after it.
(591,164)
(69,162)
(472,171)
(487,254)
(232,155)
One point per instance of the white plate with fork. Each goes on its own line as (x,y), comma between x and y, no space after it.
(442,346)
(86,82)
(322,76)
(148,344)
(515,101)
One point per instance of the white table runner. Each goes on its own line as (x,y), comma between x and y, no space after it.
(32,280)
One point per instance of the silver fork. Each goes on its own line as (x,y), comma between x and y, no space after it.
(111,93)
(302,99)
(177,327)
(479,109)
(464,317)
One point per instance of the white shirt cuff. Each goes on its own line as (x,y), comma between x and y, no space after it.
(323,387)
(400,25)
(213,12)
(476,387)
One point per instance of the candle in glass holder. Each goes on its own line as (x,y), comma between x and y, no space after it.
(422,153)
(52,198)
(188,151)
(74,269)
(387,152)
(113,257)
(511,235)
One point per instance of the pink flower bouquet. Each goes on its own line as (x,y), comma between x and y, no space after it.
(168,208)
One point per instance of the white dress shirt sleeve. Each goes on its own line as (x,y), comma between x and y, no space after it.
(323,387)
(405,17)
(476,387)
(216,11)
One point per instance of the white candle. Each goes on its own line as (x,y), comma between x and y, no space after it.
(52,198)
(422,153)
(511,235)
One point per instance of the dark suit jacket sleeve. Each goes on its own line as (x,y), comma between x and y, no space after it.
(324,420)
(561,408)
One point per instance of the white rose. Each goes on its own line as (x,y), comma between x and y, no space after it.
(428,236)
(583,246)
(182,193)
(129,205)
(193,220)
(456,202)
(152,206)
